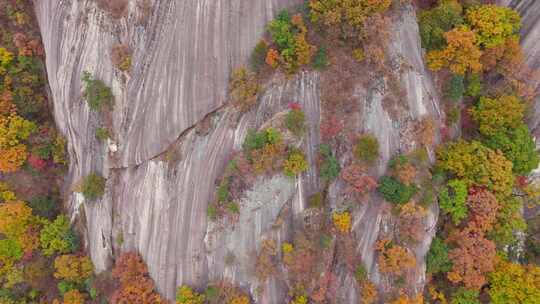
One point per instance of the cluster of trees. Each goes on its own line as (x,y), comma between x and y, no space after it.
(221,292)
(481,211)
(290,48)
(134,284)
(40,260)
(468,42)
(30,238)
(21,105)
(264,152)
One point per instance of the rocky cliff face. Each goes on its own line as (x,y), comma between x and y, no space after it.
(161,167)
(530,12)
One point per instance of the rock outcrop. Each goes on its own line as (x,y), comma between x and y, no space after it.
(162,177)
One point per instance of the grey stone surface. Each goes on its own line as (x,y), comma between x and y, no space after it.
(163,175)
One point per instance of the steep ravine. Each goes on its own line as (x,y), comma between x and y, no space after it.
(182,59)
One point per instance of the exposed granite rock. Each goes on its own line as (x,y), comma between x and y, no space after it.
(163,175)
(530,31)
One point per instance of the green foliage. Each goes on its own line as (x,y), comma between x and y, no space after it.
(398,161)
(10,251)
(478,165)
(465,296)
(394,191)
(290,36)
(360,274)
(330,167)
(367,149)
(211,293)
(493,24)
(186,295)
(102,134)
(223,191)
(233,207)
(474,85)
(281,31)
(97,94)
(509,221)
(452,200)
(513,283)
(517,146)
(93,186)
(453,115)
(316,200)
(320,61)
(435,22)
(212,212)
(256,140)
(258,55)
(345,13)
(43,206)
(43,151)
(65,286)
(495,115)
(296,121)
(295,163)
(59,150)
(437,260)
(456,88)
(244,87)
(57,237)
(325,241)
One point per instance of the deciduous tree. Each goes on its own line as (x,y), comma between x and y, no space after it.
(493,24)
(494,115)
(73,268)
(477,165)
(472,258)
(513,283)
(461,54)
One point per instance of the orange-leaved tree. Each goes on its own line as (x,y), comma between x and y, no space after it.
(460,55)
(136,287)
(472,259)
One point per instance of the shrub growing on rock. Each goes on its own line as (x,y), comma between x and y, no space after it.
(330,167)
(320,61)
(342,221)
(295,163)
(93,186)
(121,57)
(244,88)
(367,148)
(359,183)
(296,121)
(393,258)
(102,134)
(394,191)
(258,56)
(96,93)
(289,35)
(186,295)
